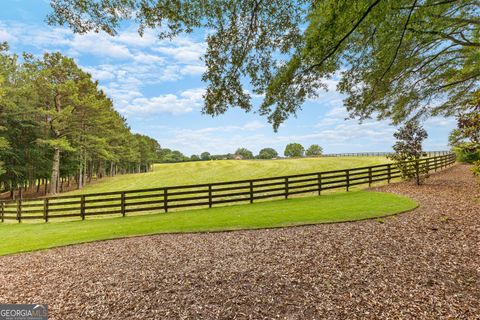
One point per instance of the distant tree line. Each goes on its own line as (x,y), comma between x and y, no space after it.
(292,150)
(59,130)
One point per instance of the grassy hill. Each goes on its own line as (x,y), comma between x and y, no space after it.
(169,174)
(338,207)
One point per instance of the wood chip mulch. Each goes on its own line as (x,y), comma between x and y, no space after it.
(424,264)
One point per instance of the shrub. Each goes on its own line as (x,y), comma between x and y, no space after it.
(467,153)
(408,151)
(476,168)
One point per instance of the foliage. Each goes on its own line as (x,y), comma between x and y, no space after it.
(59,125)
(465,139)
(476,168)
(194,157)
(314,151)
(294,150)
(205,156)
(171,156)
(467,152)
(408,150)
(244,153)
(309,210)
(267,153)
(394,58)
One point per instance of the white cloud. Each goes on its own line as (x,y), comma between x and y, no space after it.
(129,62)
(98,44)
(132,38)
(186,102)
(182,49)
(5,36)
(193,69)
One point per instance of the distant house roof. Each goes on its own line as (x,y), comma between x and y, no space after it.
(238,157)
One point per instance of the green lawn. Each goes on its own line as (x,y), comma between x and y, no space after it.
(224,170)
(336,207)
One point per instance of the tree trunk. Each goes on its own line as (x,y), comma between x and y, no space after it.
(80,172)
(55,172)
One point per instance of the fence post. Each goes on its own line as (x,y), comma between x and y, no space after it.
(435,163)
(389,170)
(251,191)
(209,195)
(286,187)
(347,172)
(82,207)
(19,211)
(165,199)
(427,164)
(45,209)
(369,177)
(3,210)
(417,171)
(319,177)
(122,203)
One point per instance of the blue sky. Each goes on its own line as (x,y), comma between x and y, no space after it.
(157,86)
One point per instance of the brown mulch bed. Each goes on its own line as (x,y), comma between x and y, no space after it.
(419,265)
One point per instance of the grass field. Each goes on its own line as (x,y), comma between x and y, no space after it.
(310,210)
(224,170)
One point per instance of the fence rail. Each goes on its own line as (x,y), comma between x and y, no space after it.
(380,154)
(208,194)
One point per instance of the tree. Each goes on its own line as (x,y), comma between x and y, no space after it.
(314,151)
(294,150)
(465,139)
(408,150)
(245,153)
(205,156)
(267,153)
(57,126)
(194,157)
(394,57)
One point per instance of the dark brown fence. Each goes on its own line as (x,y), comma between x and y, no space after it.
(379,154)
(207,195)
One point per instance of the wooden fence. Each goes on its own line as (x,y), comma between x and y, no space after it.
(206,195)
(379,154)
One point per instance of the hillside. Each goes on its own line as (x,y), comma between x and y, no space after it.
(223,170)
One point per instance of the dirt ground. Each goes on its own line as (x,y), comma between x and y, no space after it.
(424,264)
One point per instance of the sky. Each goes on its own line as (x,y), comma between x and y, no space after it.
(156,84)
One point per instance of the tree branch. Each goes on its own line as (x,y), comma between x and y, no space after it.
(337,46)
(412,8)
(449,37)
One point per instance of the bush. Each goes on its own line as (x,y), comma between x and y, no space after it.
(476,168)
(467,153)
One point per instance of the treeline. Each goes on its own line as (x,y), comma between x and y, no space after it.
(292,150)
(58,129)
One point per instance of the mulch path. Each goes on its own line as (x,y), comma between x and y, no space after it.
(419,265)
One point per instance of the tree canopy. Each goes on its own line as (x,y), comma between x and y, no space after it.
(244,153)
(57,125)
(314,151)
(294,150)
(267,153)
(395,59)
